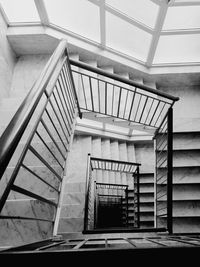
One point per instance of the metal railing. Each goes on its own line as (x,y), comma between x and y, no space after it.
(111,95)
(47,116)
(38,137)
(94,189)
(147,245)
(89,198)
(111,208)
(136,177)
(164,171)
(114,96)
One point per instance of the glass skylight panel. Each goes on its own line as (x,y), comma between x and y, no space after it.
(78,16)
(126,38)
(144,11)
(182,17)
(20,10)
(178,49)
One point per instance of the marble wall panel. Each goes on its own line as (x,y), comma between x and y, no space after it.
(145,156)
(72,211)
(19,232)
(186,110)
(186,158)
(42,171)
(74,198)
(186,192)
(75,187)
(29,208)
(186,175)
(186,141)
(77,161)
(27,70)
(70,225)
(189,208)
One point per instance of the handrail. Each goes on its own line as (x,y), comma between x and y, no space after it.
(137,179)
(87,193)
(15,129)
(116,161)
(164,172)
(47,118)
(121,79)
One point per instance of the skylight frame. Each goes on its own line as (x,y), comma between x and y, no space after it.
(156,33)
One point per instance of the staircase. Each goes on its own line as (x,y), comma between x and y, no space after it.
(186,214)
(31,184)
(186,208)
(16,232)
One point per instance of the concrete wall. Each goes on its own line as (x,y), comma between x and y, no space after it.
(7,60)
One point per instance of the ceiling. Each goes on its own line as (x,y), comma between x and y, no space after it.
(150,32)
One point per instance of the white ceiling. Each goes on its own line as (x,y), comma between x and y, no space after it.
(150,32)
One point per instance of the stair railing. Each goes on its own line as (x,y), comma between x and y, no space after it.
(40,132)
(93,186)
(111,95)
(89,216)
(110,195)
(164,173)
(136,177)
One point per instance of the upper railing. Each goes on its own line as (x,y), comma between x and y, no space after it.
(112,95)
(34,146)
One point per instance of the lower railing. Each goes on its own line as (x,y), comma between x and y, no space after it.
(33,152)
(109,194)
(163,174)
(89,198)
(111,207)
(136,177)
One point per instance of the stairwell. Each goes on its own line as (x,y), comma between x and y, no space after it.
(72,211)
(185,190)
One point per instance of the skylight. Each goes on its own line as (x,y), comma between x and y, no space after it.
(20,10)
(79,16)
(129,37)
(182,17)
(142,10)
(147,31)
(178,48)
